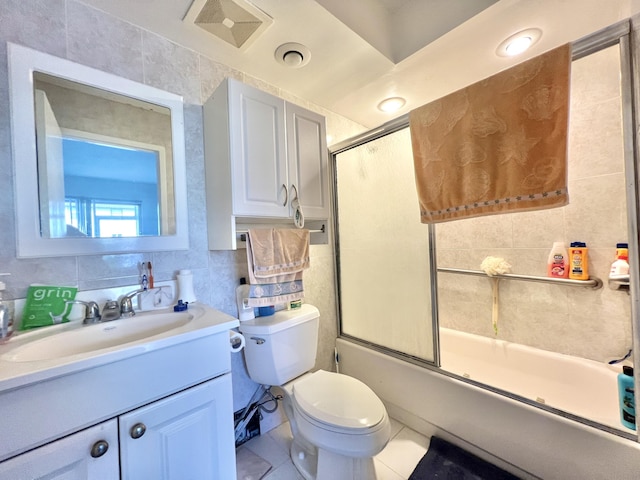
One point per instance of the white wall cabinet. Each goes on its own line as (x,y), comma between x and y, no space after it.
(262,153)
(308,160)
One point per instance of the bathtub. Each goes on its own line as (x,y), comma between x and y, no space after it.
(528,441)
(575,385)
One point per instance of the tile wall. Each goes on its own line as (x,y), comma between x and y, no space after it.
(594,324)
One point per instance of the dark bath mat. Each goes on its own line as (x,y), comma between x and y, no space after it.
(445,461)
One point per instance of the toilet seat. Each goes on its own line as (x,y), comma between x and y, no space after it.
(338,402)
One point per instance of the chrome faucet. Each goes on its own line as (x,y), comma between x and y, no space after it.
(110,311)
(126,305)
(91,311)
(6,323)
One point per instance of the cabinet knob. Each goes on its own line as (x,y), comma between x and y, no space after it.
(138,430)
(99,448)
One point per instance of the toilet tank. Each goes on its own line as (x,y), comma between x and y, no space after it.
(282,346)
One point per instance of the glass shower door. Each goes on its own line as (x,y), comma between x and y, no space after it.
(383,249)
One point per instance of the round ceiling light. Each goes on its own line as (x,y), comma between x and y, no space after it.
(293,55)
(519,42)
(392,104)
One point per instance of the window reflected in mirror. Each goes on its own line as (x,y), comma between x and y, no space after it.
(104,162)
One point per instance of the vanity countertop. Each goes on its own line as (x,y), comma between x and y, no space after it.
(25,358)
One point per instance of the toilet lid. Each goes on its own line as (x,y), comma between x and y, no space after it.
(339,400)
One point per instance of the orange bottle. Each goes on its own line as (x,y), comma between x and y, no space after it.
(578,261)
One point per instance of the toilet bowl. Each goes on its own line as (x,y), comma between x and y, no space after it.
(340,413)
(337,422)
(342,420)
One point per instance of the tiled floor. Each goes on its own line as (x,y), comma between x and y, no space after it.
(395,462)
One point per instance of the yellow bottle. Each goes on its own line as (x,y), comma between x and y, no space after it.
(578,261)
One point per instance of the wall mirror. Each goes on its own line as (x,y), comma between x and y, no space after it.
(99,160)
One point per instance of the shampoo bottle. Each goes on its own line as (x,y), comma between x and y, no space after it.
(557,263)
(578,261)
(620,268)
(245,312)
(626,396)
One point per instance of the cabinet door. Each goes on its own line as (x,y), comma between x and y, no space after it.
(90,454)
(308,161)
(188,436)
(258,152)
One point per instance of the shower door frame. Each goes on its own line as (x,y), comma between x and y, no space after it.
(388,128)
(622,34)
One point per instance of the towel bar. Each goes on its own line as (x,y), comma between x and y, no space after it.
(593,282)
(243,233)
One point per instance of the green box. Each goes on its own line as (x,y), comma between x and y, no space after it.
(45,305)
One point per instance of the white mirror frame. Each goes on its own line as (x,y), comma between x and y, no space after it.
(29,242)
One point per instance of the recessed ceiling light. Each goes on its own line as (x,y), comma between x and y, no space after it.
(392,104)
(293,55)
(519,42)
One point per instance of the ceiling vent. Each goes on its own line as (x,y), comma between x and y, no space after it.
(237,22)
(293,55)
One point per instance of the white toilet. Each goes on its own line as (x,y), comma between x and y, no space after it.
(338,423)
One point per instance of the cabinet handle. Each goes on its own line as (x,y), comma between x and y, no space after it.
(295,190)
(286,195)
(138,430)
(99,448)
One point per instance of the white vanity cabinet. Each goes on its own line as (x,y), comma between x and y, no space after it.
(91,454)
(262,153)
(160,408)
(187,435)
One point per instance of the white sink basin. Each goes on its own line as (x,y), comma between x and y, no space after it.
(91,338)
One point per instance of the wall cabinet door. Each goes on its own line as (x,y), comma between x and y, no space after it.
(261,154)
(308,161)
(188,436)
(90,454)
(268,173)
(258,152)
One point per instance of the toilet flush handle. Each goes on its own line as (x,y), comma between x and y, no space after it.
(258,340)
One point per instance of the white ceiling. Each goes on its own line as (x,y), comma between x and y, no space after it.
(382,48)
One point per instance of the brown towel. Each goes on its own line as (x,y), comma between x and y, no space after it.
(276,259)
(497,146)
